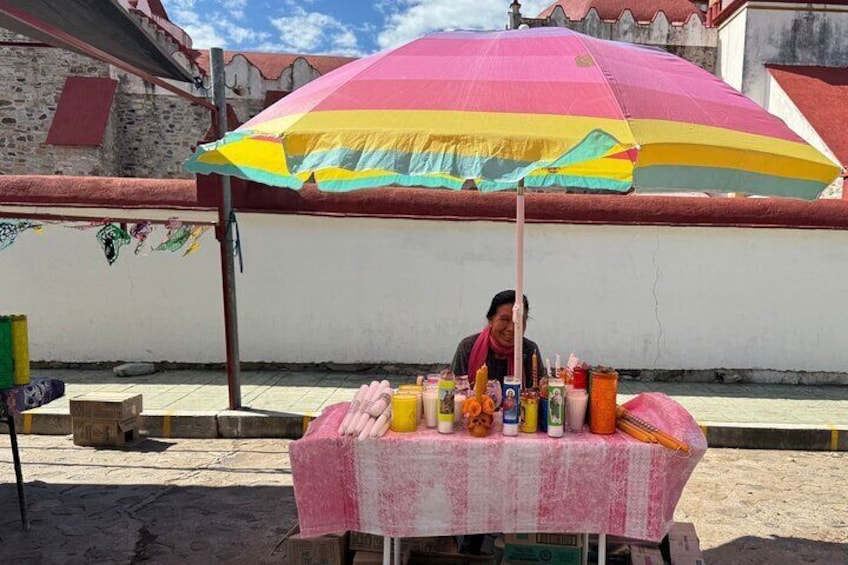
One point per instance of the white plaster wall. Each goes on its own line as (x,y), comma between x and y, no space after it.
(782,106)
(367,290)
(814,34)
(731,47)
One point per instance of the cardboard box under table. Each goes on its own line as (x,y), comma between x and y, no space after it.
(684,547)
(105,419)
(323,550)
(535,549)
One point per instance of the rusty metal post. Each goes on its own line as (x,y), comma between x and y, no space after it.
(225,237)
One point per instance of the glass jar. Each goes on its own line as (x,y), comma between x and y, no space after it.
(602,400)
(404,412)
(463,391)
(431,403)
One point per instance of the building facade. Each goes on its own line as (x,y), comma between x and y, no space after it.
(63,113)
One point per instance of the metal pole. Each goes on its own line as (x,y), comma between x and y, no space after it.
(16,458)
(518,309)
(225,237)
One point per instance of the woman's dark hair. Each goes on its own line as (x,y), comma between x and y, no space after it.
(505,297)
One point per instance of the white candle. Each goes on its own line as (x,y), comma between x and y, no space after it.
(431,408)
(458,402)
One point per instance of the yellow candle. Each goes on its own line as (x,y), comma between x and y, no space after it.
(404,412)
(529,413)
(418,391)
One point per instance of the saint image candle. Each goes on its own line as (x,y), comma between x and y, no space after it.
(529,420)
(446,406)
(511,407)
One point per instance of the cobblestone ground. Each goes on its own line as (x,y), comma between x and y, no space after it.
(231,501)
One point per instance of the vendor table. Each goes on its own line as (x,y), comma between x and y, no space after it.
(428,484)
(7,415)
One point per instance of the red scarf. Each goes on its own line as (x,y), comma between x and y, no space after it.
(480,352)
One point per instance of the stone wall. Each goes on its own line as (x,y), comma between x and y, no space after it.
(692,41)
(150,131)
(156,133)
(33,79)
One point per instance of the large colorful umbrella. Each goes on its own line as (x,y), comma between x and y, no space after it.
(544,107)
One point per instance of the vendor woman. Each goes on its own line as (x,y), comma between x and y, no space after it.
(494,345)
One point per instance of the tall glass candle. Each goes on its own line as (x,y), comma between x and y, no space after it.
(511,407)
(447,395)
(431,404)
(529,412)
(556,407)
(602,401)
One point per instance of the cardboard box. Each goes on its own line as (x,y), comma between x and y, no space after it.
(645,555)
(374,558)
(104,433)
(106,406)
(684,547)
(367,542)
(534,549)
(324,550)
(450,559)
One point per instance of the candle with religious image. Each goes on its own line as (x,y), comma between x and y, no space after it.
(556,407)
(511,399)
(447,392)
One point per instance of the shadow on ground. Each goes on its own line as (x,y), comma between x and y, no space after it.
(136,523)
(751,550)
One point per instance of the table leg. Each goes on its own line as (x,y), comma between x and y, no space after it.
(387,550)
(602,549)
(397,551)
(585,553)
(19,476)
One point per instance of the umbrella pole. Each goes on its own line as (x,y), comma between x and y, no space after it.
(225,237)
(518,309)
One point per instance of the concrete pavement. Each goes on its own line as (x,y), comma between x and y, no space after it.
(192,404)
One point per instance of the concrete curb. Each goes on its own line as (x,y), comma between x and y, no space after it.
(253,424)
(776,436)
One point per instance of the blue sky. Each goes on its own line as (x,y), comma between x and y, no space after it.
(337,27)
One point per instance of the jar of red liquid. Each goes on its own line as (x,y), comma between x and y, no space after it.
(580,377)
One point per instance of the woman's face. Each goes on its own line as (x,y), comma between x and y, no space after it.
(502,327)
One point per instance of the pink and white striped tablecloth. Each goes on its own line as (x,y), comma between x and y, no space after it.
(427,484)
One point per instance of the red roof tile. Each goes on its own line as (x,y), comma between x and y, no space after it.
(83,112)
(676,11)
(821,94)
(272,65)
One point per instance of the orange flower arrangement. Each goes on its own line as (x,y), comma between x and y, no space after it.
(481,408)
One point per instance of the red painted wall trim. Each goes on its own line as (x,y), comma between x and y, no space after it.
(423,204)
